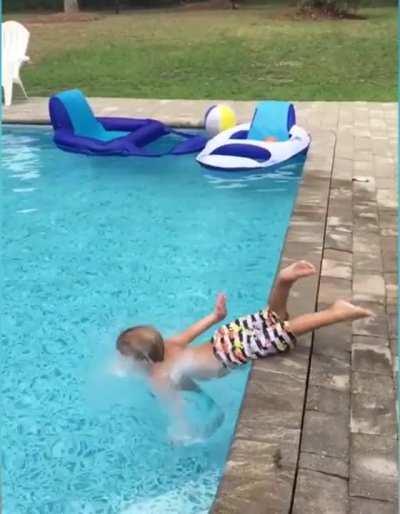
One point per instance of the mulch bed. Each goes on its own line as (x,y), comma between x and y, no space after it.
(310,14)
(285,12)
(321,14)
(41,19)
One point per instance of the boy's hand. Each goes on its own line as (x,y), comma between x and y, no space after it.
(218,313)
(220,307)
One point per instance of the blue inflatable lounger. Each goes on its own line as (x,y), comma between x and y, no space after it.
(76,129)
(271,138)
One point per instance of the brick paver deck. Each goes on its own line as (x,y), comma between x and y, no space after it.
(317,432)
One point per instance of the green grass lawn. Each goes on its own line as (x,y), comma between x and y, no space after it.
(247,54)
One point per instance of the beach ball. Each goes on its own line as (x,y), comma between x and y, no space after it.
(219,118)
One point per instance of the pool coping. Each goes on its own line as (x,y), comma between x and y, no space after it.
(179,113)
(285,450)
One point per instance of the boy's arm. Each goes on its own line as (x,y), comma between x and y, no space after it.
(216,414)
(181,428)
(172,399)
(203,324)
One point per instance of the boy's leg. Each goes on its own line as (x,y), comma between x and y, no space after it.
(285,279)
(339,311)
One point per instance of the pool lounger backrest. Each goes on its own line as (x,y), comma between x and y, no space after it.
(75,107)
(274,119)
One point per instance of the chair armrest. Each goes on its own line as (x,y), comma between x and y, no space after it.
(124,124)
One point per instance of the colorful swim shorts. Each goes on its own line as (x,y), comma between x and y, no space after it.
(255,336)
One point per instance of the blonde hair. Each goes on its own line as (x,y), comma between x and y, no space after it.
(143,343)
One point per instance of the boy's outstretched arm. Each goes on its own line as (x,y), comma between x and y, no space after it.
(181,427)
(203,324)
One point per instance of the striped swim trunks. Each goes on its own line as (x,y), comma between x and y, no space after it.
(255,336)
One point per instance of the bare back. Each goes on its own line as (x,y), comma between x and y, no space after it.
(189,362)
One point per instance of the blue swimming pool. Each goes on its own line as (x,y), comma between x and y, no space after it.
(92,245)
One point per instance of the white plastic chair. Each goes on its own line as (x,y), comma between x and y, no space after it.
(14,44)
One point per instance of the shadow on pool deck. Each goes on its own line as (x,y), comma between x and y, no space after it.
(317,433)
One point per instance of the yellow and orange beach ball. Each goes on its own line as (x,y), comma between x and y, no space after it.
(219,118)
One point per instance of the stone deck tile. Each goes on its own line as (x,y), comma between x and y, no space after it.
(373,467)
(369,287)
(324,464)
(334,342)
(318,493)
(319,425)
(367,506)
(373,396)
(371,357)
(332,268)
(372,414)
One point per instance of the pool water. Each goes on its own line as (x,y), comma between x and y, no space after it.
(91,246)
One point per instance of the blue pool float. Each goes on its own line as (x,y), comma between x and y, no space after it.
(246,146)
(76,129)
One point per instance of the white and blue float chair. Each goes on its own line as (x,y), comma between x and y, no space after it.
(246,146)
(76,129)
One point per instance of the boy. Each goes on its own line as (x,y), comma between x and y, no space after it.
(173,364)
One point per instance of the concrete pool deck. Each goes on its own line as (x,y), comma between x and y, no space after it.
(317,433)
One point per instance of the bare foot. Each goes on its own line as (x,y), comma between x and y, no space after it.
(296,270)
(350,312)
